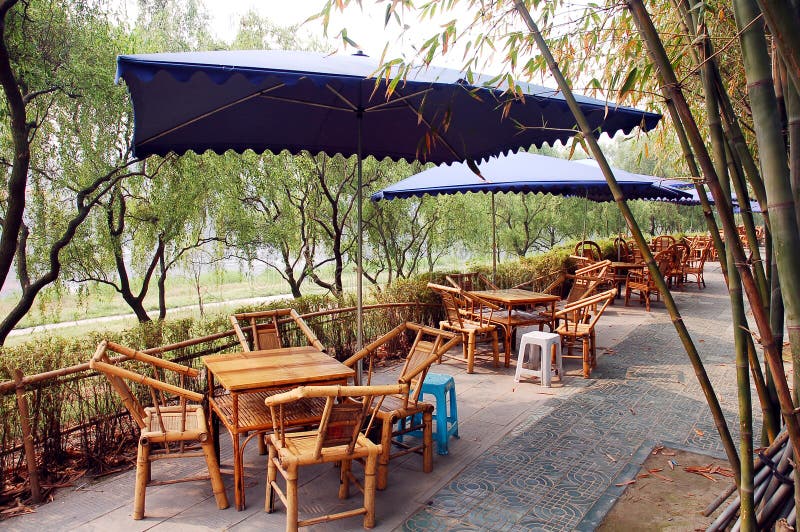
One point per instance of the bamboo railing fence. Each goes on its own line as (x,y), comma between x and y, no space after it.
(70,417)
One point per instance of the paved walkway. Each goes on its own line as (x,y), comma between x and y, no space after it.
(529,458)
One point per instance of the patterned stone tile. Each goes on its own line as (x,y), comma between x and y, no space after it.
(553,467)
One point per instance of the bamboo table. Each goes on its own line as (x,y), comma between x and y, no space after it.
(248,378)
(517,297)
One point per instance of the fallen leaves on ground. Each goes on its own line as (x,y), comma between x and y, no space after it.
(709,470)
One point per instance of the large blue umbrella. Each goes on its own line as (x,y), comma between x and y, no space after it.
(527,172)
(275,100)
(283,100)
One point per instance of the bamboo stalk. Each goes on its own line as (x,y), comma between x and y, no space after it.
(784,20)
(27,438)
(677,321)
(746,494)
(670,82)
(783,216)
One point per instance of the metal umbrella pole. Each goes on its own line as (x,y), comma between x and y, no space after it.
(359,254)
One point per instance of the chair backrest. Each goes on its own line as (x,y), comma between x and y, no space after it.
(588,249)
(346,408)
(680,254)
(664,260)
(586,310)
(662,242)
(159,390)
(622,250)
(470,281)
(453,303)
(261,330)
(586,279)
(428,345)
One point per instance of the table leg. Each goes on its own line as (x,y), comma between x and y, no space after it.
(213,420)
(238,465)
(509,330)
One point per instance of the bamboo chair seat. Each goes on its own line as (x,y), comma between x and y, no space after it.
(578,323)
(404,413)
(180,428)
(337,439)
(255,417)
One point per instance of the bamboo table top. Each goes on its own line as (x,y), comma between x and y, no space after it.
(272,368)
(516,296)
(626,265)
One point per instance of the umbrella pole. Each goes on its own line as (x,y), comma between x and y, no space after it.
(359,258)
(494,241)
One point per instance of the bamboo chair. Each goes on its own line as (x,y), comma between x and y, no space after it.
(585,281)
(677,269)
(579,320)
(262,329)
(472,329)
(178,426)
(338,439)
(642,282)
(695,263)
(588,249)
(470,281)
(263,332)
(405,410)
(661,243)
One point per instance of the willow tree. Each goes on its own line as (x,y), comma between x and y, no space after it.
(64,129)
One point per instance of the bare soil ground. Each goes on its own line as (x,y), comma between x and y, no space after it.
(668,499)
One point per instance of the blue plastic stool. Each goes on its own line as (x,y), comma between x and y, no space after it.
(445,417)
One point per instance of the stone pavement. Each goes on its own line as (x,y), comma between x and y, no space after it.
(529,458)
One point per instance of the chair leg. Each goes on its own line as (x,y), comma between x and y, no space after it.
(427,440)
(627,294)
(262,447)
(495,349)
(272,476)
(291,498)
(344,479)
(369,490)
(217,486)
(142,465)
(593,345)
(647,301)
(471,338)
(587,370)
(386,449)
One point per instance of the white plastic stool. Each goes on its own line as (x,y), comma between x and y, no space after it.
(545,342)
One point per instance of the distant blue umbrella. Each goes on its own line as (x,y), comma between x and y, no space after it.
(526,172)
